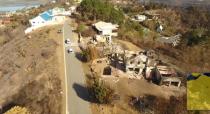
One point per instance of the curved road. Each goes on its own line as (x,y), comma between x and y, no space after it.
(76,94)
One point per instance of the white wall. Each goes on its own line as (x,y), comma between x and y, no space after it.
(107,32)
(36,21)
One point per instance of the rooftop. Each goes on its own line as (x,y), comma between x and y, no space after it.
(104,25)
(46,16)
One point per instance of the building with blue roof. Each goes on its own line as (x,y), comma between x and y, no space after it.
(49,17)
(45,16)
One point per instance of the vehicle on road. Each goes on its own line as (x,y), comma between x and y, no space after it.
(70,50)
(67,41)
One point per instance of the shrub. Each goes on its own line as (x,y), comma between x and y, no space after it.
(131,30)
(85,54)
(90,53)
(100,92)
(196,36)
(80,28)
(18,110)
(157,105)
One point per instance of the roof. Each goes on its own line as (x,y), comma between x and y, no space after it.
(46,16)
(104,26)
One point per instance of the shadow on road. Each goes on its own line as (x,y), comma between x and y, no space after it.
(82,92)
(80,57)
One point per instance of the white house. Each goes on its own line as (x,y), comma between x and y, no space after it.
(106,29)
(50,17)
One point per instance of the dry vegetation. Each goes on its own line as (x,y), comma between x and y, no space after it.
(152,104)
(192,22)
(18,110)
(29,74)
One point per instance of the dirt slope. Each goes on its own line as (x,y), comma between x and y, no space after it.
(29,74)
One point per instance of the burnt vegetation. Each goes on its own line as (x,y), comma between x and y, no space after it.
(151,104)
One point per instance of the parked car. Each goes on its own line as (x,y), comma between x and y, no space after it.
(67,41)
(70,50)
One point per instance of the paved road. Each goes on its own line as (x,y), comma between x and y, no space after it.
(77,95)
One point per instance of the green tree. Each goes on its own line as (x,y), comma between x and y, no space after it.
(100,92)
(103,10)
(80,28)
(197,36)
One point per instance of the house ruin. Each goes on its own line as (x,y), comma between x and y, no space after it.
(135,64)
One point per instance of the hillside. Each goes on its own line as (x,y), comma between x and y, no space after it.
(29,74)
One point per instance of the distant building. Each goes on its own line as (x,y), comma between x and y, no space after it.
(160,28)
(50,17)
(140,18)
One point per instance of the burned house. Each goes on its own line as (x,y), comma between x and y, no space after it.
(137,62)
(168,76)
(169,81)
(162,75)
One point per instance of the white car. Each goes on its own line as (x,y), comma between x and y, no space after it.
(67,41)
(70,50)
